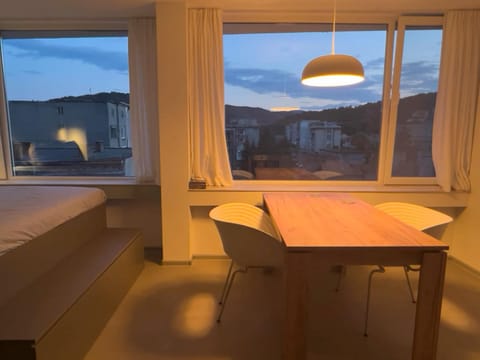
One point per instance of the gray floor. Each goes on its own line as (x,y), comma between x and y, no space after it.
(170,314)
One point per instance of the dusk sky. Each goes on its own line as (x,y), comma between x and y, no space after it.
(261,70)
(42,69)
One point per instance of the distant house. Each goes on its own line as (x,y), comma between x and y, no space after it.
(314,135)
(241,133)
(325,136)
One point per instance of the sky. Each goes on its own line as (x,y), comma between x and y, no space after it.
(42,69)
(261,70)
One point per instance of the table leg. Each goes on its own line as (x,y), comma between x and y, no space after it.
(429,304)
(294,337)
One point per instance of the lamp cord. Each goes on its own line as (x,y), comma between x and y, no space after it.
(333,29)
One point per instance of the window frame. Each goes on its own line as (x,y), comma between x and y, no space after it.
(106,27)
(284,19)
(392,69)
(403,23)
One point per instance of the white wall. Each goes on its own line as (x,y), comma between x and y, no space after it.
(140,213)
(466,235)
(172,111)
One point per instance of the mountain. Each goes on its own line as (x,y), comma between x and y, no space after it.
(362,118)
(114,97)
(264,117)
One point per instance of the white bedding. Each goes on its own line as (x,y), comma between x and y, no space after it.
(29,211)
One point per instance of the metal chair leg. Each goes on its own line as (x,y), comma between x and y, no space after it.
(224,303)
(406,269)
(380,269)
(226,283)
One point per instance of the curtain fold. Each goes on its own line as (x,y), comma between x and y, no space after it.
(457,100)
(208,148)
(143,99)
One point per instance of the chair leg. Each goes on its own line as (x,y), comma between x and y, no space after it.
(226,283)
(380,269)
(227,292)
(406,269)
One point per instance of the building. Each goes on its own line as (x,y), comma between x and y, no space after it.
(49,132)
(241,134)
(314,135)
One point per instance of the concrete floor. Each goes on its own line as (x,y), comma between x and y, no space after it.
(170,313)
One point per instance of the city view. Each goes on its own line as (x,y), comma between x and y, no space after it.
(335,144)
(89,135)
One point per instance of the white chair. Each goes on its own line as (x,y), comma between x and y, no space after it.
(248,238)
(419,217)
(326,174)
(239,174)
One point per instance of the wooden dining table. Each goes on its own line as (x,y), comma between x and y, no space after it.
(337,228)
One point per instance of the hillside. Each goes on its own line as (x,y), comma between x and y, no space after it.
(364,117)
(114,97)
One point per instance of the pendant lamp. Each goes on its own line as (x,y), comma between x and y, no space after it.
(333,69)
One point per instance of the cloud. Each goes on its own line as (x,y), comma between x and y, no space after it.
(104,59)
(419,77)
(274,81)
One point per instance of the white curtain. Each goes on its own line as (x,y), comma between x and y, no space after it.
(143,99)
(457,99)
(208,149)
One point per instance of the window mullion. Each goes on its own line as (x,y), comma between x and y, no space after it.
(387,93)
(394,100)
(4,153)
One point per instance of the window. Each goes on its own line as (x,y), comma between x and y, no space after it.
(291,126)
(64,92)
(279,129)
(413,101)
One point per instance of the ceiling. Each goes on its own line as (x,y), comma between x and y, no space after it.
(121,9)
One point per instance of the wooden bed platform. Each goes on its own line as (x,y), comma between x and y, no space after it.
(58,297)
(60,314)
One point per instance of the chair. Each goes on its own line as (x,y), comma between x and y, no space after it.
(326,174)
(238,174)
(248,238)
(419,217)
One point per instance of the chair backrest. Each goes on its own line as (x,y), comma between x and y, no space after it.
(242,175)
(248,235)
(326,174)
(419,217)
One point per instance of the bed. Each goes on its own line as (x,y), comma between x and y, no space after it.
(63,272)
(40,225)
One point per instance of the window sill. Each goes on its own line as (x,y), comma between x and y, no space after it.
(347,186)
(427,195)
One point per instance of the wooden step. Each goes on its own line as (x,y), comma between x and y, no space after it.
(62,312)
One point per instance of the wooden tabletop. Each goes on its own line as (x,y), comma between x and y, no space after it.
(337,221)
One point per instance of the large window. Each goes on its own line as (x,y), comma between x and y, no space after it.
(279,129)
(67,100)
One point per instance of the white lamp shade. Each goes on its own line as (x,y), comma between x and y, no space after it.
(333,70)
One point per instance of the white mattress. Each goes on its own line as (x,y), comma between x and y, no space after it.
(29,211)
